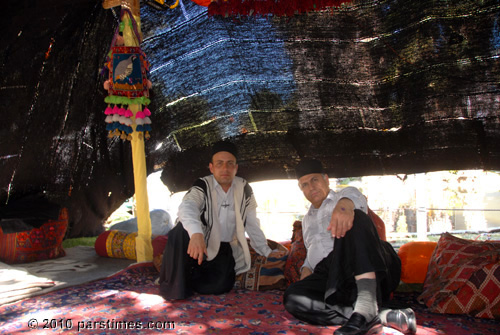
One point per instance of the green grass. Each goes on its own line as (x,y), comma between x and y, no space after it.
(73,242)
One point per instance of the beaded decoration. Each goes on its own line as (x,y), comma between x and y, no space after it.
(127,84)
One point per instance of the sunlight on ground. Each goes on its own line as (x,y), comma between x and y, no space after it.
(452,200)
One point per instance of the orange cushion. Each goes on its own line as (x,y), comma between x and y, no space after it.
(415,257)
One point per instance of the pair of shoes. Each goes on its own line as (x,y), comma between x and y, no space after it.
(357,325)
(403,320)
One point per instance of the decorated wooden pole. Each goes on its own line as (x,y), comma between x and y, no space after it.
(128,89)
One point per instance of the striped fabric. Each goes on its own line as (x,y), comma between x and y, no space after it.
(265,273)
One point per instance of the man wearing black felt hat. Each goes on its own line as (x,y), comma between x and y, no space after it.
(207,248)
(348,271)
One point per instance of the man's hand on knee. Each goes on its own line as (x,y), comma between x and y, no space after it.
(342,218)
(197,247)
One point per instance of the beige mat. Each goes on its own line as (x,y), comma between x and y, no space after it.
(80,265)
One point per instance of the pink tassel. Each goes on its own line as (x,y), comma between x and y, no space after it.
(128,113)
(108,110)
(121,111)
(146,111)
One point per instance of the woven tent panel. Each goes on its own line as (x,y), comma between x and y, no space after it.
(373,87)
(53,136)
(382,87)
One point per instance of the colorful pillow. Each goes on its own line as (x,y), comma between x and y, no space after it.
(35,244)
(379,224)
(463,278)
(159,243)
(297,255)
(265,273)
(116,244)
(415,257)
(120,244)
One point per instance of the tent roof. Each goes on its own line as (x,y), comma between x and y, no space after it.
(384,87)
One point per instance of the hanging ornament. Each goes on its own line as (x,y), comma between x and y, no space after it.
(126,68)
(204,3)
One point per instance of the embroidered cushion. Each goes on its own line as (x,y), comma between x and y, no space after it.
(116,244)
(296,256)
(36,244)
(159,243)
(415,257)
(121,244)
(265,273)
(463,278)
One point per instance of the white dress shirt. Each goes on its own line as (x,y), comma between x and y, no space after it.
(317,239)
(189,216)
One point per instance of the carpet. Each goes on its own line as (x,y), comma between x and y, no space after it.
(128,302)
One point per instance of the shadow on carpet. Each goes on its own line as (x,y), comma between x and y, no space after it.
(128,302)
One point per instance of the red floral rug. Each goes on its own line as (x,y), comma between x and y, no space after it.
(128,303)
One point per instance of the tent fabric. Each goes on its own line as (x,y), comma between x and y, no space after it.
(372,87)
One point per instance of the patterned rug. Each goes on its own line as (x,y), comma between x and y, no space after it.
(128,303)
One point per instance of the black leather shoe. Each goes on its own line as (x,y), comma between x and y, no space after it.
(403,320)
(357,325)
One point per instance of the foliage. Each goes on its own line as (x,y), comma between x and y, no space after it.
(73,242)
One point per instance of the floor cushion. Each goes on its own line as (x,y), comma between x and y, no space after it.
(265,273)
(415,257)
(159,243)
(296,256)
(116,244)
(463,278)
(42,243)
(121,244)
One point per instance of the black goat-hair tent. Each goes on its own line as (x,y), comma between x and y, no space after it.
(373,87)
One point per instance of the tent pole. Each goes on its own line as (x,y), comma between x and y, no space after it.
(144,249)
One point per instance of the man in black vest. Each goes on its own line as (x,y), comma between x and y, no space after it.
(208,248)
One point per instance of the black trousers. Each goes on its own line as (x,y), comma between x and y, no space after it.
(327,296)
(181,275)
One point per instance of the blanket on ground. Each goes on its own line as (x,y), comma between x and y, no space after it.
(18,283)
(80,265)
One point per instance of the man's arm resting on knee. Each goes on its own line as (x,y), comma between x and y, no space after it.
(342,218)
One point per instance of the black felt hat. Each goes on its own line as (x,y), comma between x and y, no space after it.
(308,166)
(225,146)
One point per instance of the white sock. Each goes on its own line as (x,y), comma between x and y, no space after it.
(366,302)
